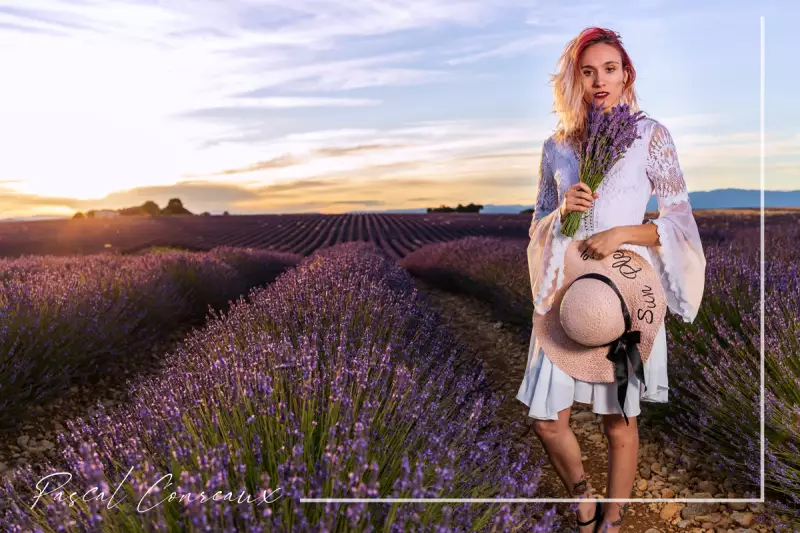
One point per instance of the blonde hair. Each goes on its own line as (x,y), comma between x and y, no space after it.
(568,91)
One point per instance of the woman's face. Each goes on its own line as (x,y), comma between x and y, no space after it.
(602,75)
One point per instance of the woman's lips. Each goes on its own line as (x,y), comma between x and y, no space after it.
(600,95)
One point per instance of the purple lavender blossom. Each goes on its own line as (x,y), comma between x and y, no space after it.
(609,137)
(336,380)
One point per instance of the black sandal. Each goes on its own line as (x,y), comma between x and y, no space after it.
(617,522)
(598,514)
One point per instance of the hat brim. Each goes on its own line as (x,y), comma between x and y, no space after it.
(644,296)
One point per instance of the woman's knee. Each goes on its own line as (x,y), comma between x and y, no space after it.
(546,428)
(549,428)
(615,427)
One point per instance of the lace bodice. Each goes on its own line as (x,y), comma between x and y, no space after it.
(649,166)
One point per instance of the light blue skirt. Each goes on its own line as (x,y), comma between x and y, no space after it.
(546,389)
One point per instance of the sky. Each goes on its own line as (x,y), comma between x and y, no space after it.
(255,106)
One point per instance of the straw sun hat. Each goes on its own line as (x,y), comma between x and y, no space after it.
(604,318)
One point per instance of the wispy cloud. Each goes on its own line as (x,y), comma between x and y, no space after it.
(274,102)
(514,48)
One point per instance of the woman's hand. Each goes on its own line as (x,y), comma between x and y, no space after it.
(603,243)
(577,198)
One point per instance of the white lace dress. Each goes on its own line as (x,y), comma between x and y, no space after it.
(650,165)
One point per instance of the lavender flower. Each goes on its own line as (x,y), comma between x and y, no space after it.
(336,380)
(609,137)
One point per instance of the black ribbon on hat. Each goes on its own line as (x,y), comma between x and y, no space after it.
(623,348)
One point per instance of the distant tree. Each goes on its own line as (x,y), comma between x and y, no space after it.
(205,214)
(471,208)
(135,211)
(175,207)
(151,208)
(225,213)
(78,215)
(90,213)
(526,211)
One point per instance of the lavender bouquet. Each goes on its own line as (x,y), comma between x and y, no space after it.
(609,137)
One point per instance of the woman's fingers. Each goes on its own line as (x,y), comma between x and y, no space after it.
(582,188)
(582,199)
(579,197)
(578,193)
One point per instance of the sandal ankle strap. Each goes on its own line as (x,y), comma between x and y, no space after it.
(598,515)
(622,510)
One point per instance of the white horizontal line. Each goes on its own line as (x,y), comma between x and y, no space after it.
(529,500)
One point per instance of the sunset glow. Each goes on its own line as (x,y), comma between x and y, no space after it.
(253,107)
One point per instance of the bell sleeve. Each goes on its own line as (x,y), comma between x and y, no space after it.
(678,255)
(547,245)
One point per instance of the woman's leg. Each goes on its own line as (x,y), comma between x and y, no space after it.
(623,457)
(565,454)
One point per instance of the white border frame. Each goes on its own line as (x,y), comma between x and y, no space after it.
(628,500)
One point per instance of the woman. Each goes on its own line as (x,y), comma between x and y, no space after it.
(595,68)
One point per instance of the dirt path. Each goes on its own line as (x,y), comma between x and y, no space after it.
(503,349)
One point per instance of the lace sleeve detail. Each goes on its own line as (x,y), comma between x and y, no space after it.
(547,195)
(663,168)
(678,255)
(547,245)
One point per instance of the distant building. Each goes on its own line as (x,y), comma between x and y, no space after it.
(106,213)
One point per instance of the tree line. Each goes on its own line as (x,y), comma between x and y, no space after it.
(149,208)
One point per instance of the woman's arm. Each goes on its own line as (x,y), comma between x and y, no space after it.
(643,234)
(678,254)
(546,248)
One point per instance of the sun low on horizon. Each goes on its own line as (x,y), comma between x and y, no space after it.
(252,107)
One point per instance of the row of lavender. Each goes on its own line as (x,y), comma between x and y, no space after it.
(67,319)
(335,381)
(396,233)
(714,362)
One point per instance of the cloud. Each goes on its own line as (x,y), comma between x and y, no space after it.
(370,203)
(361,148)
(21,28)
(246,48)
(288,159)
(276,162)
(440,147)
(284,102)
(280,102)
(524,45)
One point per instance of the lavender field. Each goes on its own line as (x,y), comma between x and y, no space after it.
(67,319)
(714,363)
(302,234)
(334,380)
(330,375)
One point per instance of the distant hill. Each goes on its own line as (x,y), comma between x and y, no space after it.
(716,199)
(733,198)
(32,218)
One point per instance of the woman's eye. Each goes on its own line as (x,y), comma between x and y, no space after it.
(611,69)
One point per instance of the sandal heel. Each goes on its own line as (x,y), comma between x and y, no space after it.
(595,518)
